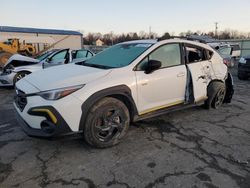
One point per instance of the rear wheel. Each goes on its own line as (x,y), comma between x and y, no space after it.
(19,76)
(106,123)
(216,94)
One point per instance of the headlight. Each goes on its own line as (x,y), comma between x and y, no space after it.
(242,60)
(59,93)
(7,71)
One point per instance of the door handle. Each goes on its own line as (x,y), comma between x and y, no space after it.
(181,74)
(202,77)
(144,83)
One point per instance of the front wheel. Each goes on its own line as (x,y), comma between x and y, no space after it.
(106,123)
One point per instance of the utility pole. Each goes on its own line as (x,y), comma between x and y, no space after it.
(149,32)
(216,30)
(112,40)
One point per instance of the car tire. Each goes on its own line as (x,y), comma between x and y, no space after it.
(19,76)
(107,123)
(242,76)
(216,92)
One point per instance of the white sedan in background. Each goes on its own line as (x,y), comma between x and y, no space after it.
(18,66)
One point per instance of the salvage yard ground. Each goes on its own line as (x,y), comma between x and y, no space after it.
(190,148)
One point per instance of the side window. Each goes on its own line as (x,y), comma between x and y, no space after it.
(169,55)
(59,56)
(89,54)
(81,54)
(195,54)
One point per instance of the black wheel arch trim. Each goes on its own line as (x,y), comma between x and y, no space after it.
(229,88)
(120,92)
(229,83)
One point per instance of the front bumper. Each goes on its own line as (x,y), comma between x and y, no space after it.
(49,127)
(7,79)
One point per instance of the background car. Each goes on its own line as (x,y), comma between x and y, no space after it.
(244,68)
(19,66)
(236,50)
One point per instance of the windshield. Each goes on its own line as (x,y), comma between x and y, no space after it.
(44,56)
(117,56)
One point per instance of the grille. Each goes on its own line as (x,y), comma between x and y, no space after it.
(20,99)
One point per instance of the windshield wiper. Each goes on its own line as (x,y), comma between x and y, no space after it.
(95,65)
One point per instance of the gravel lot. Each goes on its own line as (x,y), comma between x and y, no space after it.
(190,148)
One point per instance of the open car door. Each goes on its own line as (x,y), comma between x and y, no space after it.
(199,67)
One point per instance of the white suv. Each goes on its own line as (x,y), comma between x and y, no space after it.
(128,82)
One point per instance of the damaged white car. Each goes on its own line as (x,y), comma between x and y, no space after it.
(18,66)
(128,82)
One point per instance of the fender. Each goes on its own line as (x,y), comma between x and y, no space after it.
(121,92)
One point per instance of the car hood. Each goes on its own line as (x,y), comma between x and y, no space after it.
(64,76)
(20,58)
(19,61)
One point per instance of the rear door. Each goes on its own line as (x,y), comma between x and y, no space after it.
(82,54)
(199,65)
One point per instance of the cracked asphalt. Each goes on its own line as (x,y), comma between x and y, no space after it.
(191,148)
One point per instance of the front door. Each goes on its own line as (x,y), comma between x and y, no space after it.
(165,86)
(59,58)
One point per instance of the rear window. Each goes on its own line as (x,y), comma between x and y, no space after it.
(195,54)
(209,54)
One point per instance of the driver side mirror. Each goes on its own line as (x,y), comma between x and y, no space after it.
(152,65)
(47,60)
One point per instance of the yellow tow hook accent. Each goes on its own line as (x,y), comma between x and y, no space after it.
(51,115)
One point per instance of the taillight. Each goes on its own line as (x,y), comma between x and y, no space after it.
(226,62)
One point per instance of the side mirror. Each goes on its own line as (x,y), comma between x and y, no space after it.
(47,60)
(152,65)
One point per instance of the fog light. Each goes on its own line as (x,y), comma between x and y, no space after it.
(43,111)
(4,82)
(48,127)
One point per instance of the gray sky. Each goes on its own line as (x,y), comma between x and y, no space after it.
(127,15)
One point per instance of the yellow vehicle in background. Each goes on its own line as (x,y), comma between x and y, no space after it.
(14,46)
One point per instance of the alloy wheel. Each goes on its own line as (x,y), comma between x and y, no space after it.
(109,125)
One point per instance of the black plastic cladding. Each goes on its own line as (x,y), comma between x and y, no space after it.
(120,92)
